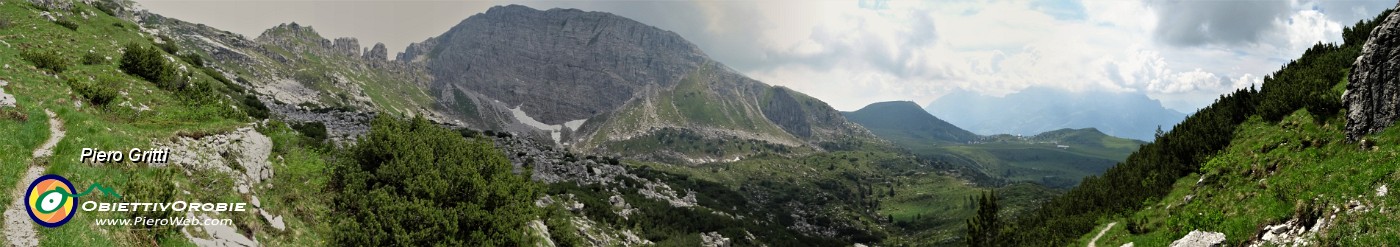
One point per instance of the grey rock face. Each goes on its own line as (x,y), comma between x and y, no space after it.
(346,46)
(785,111)
(378,53)
(559,64)
(417,52)
(1373,91)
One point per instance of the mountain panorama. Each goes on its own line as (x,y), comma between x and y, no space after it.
(519,126)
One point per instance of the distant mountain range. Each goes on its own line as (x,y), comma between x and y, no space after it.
(1037,109)
(1056,158)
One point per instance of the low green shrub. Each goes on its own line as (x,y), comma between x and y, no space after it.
(148,63)
(67,24)
(98,93)
(50,60)
(413,183)
(315,131)
(92,58)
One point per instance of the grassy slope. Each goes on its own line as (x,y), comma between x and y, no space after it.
(119,127)
(692,104)
(1267,173)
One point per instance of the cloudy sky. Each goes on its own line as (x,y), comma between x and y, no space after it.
(852,53)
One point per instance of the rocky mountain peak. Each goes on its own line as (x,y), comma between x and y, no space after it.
(290,31)
(1373,90)
(558,65)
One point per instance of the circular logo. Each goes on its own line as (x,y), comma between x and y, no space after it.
(49,200)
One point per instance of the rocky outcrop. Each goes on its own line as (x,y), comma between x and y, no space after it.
(1200,239)
(713,239)
(378,53)
(242,154)
(417,52)
(64,5)
(1373,90)
(346,46)
(6,100)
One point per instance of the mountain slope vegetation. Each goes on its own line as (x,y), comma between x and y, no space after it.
(1311,84)
(278,121)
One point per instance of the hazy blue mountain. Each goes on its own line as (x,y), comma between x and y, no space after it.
(905,120)
(1035,110)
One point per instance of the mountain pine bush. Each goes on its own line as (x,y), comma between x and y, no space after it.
(148,63)
(412,183)
(50,60)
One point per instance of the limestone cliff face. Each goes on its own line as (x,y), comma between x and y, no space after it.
(1373,91)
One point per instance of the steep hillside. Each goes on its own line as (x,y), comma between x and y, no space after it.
(1309,178)
(1254,165)
(83,78)
(1035,110)
(904,119)
(1292,181)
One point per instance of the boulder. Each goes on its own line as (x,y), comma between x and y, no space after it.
(1200,239)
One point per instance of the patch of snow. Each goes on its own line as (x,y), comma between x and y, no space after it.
(574,125)
(1380,192)
(555,130)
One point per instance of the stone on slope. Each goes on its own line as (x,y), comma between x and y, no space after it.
(1200,239)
